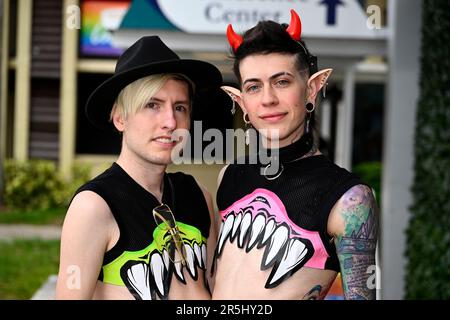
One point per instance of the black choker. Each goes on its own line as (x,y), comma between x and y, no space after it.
(293,151)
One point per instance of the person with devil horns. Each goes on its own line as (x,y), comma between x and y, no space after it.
(287,234)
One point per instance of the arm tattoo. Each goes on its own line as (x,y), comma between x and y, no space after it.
(356,246)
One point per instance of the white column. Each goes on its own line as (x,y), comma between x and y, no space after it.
(344,134)
(325,119)
(4,60)
(68,90)
(23,81)
(402,97)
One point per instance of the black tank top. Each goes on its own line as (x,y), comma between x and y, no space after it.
(288,215)
(139,259)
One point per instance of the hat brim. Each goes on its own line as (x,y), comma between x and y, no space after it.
(99,104)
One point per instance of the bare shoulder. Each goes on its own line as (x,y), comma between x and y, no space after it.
(88,213)
(89,205)
(356,205)
(86,233)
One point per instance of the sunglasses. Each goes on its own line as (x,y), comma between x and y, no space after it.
(166,221)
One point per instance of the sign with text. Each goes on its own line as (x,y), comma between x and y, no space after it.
(320,18)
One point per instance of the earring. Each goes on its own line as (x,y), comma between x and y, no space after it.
(324,90)
(233,108)
(248,125)
(309,110)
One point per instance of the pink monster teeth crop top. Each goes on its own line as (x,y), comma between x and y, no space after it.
(286,216)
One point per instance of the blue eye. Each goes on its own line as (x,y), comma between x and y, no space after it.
(252,88)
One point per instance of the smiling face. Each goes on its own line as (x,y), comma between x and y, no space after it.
(148,133)
(274,95)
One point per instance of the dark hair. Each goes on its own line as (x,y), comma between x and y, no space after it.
(271,37)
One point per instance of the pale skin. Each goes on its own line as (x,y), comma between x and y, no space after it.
(89,228)
(274,97)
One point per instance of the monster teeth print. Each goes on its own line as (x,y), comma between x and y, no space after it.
(284,250)
(198,255)
(166,259)
(204,253)
(294,254)
(179,268)
(225,232)
(158,270)
(257,229)
(270,228)
(146,281)
(138,277)
(237,223)
(275,247)
(190,261)
(245,224)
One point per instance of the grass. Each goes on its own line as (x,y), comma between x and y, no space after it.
(49,216)
(25,265)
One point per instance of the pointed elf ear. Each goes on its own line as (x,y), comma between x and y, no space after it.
(234,94)
(320,78)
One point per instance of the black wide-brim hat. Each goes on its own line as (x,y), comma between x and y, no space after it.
(147,56)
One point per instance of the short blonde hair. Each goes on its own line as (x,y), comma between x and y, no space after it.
(135,96)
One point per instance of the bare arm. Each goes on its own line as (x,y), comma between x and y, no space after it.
(84,240)
(353,222)
(212,238)
(219,181)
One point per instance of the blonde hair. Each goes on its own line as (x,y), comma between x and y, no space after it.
(135,96)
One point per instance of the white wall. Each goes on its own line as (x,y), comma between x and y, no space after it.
(402,94)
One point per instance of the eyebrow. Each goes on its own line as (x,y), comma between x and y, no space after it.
(276,75)
(176,102)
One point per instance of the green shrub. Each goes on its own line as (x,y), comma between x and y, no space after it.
(37,184)
(428,234)
(370,173)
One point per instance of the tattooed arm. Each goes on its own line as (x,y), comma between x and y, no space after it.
(353,222)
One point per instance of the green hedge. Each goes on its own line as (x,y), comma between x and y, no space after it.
(428,244)
(37,184)
(370,173)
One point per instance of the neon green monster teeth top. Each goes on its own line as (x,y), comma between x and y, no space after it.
(143,259)
(191,236)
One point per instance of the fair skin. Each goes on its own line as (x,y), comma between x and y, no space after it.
(274,96)
(89,228)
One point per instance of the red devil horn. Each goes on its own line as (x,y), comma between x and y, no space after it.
(295,26)
(234,39)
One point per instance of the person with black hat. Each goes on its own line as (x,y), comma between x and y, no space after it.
(287,232)
(136,231)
